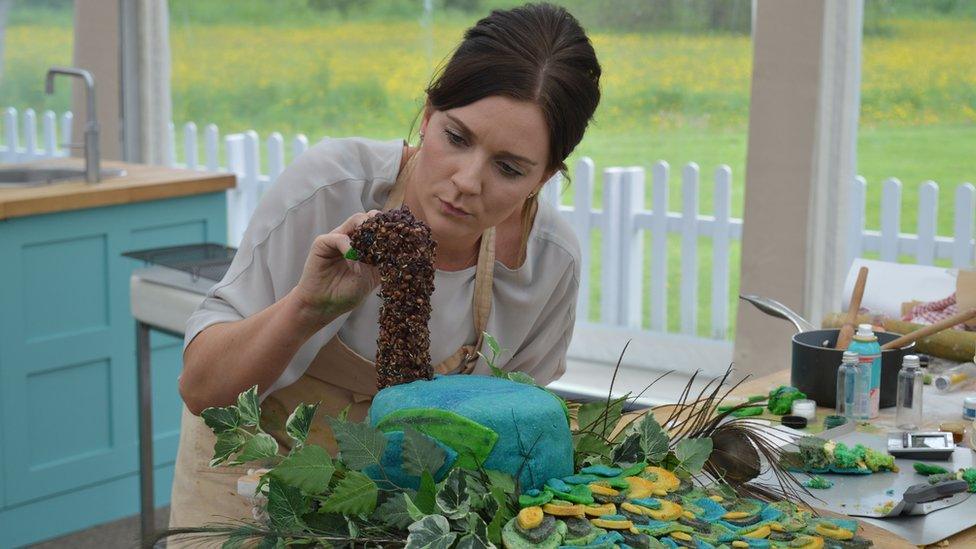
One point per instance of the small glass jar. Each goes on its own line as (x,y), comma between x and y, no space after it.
(805,408)
(908,400)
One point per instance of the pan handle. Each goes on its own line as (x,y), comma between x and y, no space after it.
(777,309)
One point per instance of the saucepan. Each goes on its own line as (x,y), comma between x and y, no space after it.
(814,360)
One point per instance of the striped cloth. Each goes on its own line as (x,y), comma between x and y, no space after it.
(934,311)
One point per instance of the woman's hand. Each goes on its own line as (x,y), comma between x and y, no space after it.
(331,284)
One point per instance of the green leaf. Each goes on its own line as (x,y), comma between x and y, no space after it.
(431,532)
(321,522)
(600,417)
(360,445)
(653,439)
(501,480)
(412,509)
(589,444)
(421,453)
(426,493)
(354,495)
(221,419)
(394,511)
(502,516)
(260,446)
(247,405)
(522,377)
(286,505)
(300,421)
(343,414)
(308,468)
(692,453)
(492,342)
(227,443)
(471,440)
(453,499)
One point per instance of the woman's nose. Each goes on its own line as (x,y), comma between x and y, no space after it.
(467,178)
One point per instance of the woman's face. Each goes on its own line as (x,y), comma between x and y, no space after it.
(477,165)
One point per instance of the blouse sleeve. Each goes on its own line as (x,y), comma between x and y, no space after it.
(543,355)
(272,252)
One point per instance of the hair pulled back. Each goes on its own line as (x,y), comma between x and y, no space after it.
(537,53)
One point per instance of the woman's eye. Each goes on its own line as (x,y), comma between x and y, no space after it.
(454,138)
(508,171)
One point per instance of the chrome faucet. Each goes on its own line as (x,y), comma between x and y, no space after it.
(92,171)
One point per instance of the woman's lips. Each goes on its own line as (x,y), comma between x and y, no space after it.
(449,209)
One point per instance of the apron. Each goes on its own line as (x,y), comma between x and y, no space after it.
(337,377)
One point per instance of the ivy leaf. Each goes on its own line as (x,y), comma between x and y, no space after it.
(453,499)
(431,532)
(653,439)
(394,511)
(476,536)
(521,377)
(354,495)
(248,407)
(421,453)
(331,524)
(300,421)
(629,450)
(260,446)
(227,443)
(221,419)
(360,445)
(286,505)
(692,453)
(426,494)
(308,468)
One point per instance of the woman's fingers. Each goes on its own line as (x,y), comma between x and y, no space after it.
(332,245)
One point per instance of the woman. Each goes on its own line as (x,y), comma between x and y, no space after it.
(297,319)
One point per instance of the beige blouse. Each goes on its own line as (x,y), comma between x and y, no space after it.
(533,307)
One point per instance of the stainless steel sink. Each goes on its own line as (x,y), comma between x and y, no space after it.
(34,177)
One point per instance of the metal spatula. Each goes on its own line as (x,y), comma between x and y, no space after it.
(918,499)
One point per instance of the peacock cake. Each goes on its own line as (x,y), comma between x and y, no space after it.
(478,421)
(464,461)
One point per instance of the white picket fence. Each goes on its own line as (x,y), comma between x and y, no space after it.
(622,221)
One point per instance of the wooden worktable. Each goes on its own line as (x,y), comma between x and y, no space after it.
(881,537)
(141,183)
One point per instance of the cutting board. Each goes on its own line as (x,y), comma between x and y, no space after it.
(845,495)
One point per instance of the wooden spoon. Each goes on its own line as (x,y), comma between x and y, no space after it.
(847,330)
(931,329)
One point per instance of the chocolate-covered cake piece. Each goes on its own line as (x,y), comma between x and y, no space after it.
(401,247)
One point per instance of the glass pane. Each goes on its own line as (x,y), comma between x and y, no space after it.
(35,35)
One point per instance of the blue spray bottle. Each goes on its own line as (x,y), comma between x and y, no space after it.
(865,344)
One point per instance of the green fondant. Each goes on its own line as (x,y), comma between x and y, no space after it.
(580,479)
(472,441)
(601,470)
(540,498)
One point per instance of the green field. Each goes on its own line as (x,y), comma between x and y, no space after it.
(675,92)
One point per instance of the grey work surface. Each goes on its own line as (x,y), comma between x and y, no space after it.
(849,490)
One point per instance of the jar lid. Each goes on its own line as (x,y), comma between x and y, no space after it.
(794,422)
(970,402)
(804,405)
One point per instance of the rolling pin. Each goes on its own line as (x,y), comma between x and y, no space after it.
(931,329)
(957,345)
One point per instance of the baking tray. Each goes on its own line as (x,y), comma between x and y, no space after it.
(918,530)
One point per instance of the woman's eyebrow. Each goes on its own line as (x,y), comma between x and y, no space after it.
(471,134)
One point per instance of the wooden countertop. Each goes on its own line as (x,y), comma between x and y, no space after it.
(881,538)
(140,184)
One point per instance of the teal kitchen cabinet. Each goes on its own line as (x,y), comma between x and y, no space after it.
(68,397)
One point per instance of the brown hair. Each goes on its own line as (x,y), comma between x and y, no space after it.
(537,53)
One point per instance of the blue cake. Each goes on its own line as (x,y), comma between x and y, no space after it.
(480,422)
